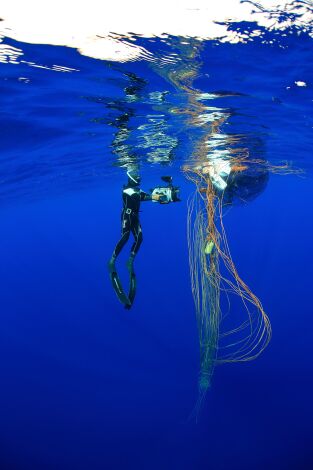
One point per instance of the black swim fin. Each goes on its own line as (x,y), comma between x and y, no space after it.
(111,265)
(117,286)
(132,289)
(130,264)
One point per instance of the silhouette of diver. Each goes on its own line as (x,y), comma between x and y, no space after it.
(132,197)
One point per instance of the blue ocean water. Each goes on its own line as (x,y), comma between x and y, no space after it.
(87,384)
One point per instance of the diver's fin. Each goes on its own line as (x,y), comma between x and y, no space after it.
(130,264)
(111,265)
(132,287)
(117,286)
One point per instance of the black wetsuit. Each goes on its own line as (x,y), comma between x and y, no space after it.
(132,197)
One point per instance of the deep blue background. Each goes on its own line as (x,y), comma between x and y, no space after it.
(86,384)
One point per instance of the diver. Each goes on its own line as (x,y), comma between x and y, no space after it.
(132,197)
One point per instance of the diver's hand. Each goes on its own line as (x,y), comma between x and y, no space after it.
(161,198)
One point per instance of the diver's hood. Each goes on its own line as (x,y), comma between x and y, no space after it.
(134,178)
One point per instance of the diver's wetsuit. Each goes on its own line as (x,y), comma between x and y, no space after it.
(132,197)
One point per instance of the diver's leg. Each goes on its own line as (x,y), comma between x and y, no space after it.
(121,243)
(116,283)
(137,232)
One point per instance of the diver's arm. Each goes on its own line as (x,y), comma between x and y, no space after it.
(149,197)
(145,196)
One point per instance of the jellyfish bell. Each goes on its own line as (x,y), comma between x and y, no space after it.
(236,181)
(246,182)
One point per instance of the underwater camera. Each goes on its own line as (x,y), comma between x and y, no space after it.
(168,193)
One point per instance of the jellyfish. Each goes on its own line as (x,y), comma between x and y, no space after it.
(213,273)
(225,170)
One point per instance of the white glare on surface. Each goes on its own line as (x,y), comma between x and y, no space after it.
(86,26)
